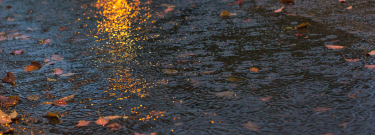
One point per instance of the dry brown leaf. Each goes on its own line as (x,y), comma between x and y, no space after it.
(265,99)
(18,52)
(353,96)
(33,66)
(115,126)
(62,28)
(111,117)
(57,71)
(59,103)
(10,78)
(82,123)
(207,72)
(254,69)
(101,121)
(370,66)
(303,25)
(224,14)
(334,47)
(251,126)
(352,60)
(54,115)
(321,109)
(279,10)
(350,7)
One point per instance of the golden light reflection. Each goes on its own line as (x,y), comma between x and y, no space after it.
(121,19)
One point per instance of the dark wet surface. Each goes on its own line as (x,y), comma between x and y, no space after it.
(119,50)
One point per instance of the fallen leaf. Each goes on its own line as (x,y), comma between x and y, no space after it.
(101,121)
(372,52)
(115,126)
(62,28)
(56,57)
(53,115)
(46,103)
(10,78)
(265,99)
(51,80)
(352,60)
(353,96)
(169,9)
(286,1)
(224,14)
(13,115)
(82,123)
(111,117)
(33,97)
(370,66)
(334,47)
(342,1)
(321,109)
(4,118)
(328,134)
(8,7)
(279,10)
(18,52)
(239,2)
(306,37)
(298,34)
(234,79)
(253,69)
(47,41)
(33,66)
(207,72)
(68,98)
(59,103)
(67,74)
(303,25)
(169,71)
(288,28)
(350,7)
(8,101)
(51,63)
(46,60)
(57,71)
(228,94)
(251,126)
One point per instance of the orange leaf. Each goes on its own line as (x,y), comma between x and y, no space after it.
(353,96)
(370,66)
(10,78)
(253,69)
(50,114)
(47,103)
(321,109)
(115,126)
(334,47)
(279,10)
(349,7)
(47,41)
(59,103)
(352,60)
(33,66)
(372,52)
(303,25)
(101,121)
(62,28)
(82,123)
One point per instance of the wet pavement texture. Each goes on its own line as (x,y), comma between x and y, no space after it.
(177,67)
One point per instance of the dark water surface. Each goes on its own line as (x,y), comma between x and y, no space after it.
(119,51)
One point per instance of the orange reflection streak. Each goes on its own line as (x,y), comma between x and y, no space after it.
(120,19)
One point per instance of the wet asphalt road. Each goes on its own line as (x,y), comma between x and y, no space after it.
(122,54)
